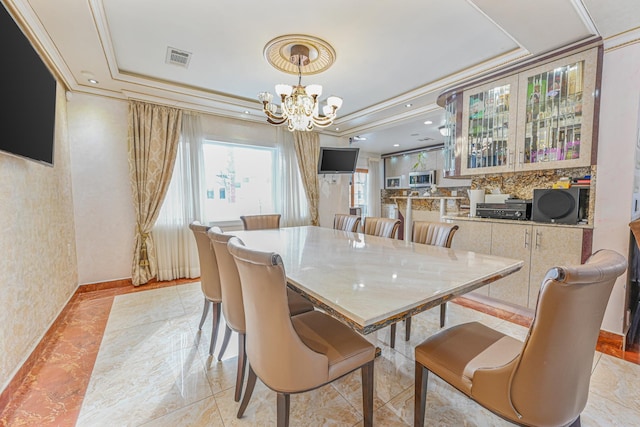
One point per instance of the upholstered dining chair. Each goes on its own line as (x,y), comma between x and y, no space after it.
(381,227)
(543,381)
(294,354)
(346,222)
(232,306)
(260,222)
(209,279)
(435,234)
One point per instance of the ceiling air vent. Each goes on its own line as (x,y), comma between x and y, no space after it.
(178,57)
(426,138)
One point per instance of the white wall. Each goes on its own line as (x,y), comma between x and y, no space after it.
(103,207)
(38,261)
(334,189)
(616,150)
(105,219)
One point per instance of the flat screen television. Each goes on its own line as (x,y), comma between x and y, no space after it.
(337,160)
(29,92)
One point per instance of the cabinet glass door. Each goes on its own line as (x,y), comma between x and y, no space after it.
(488,127)
(449,135)
(554,114)
(557,112)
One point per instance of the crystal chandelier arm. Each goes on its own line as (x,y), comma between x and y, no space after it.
(271,117)
(276,122)
(322,122)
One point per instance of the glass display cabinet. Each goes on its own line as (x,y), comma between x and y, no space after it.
(449,135)
(555,115)
(488,127)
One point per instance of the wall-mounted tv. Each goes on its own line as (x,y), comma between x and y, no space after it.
(29,95)
(337,160)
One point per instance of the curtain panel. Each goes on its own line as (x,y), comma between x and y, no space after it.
(176,249)
(307,145)
(291,196)
(154,132)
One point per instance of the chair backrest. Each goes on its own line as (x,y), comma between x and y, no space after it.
(260,222)
(275,351)
(209,275)
(232,306)
(433,233)
(382,227)
(550,379)
(346,222)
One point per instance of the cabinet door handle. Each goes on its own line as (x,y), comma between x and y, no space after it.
(538,238)
(526,239)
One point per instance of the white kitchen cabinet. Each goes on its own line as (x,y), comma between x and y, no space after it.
(513,241)
(473,236)
(541,247)
(551,247)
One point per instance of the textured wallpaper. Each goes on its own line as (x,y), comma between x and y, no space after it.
(37,244)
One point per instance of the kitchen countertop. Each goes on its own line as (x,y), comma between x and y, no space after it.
(429,197)
(466,217)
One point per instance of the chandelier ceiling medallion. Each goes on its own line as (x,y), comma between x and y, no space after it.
(299,54)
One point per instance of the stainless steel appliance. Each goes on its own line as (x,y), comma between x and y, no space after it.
(422,179)
(392,182)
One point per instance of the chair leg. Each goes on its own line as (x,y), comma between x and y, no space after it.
(367,393)
(283,410)
(420,395)
(392,339)
(214,329)
(576,423)
(443,313)
(242,362)
(205,311)
(225,342)
(407,329)
(248,391)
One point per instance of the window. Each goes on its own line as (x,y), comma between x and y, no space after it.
(358,190)
(239,180)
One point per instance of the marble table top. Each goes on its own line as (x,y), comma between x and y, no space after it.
(370,282)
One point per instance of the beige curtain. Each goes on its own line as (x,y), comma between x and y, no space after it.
(307,145)
(154,132)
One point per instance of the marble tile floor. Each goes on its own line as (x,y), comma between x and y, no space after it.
(151,368)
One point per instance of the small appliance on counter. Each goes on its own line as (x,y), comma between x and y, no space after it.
(517,209)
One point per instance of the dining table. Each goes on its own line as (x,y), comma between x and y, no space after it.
(370,282)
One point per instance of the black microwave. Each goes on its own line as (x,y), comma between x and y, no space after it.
(560,206)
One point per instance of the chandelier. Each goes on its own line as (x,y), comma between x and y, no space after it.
(299,104)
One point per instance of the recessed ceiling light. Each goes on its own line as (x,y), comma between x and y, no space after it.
(396,145)
(428,122)
(408,105)
(247,112)
(93,81)
(337,128)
